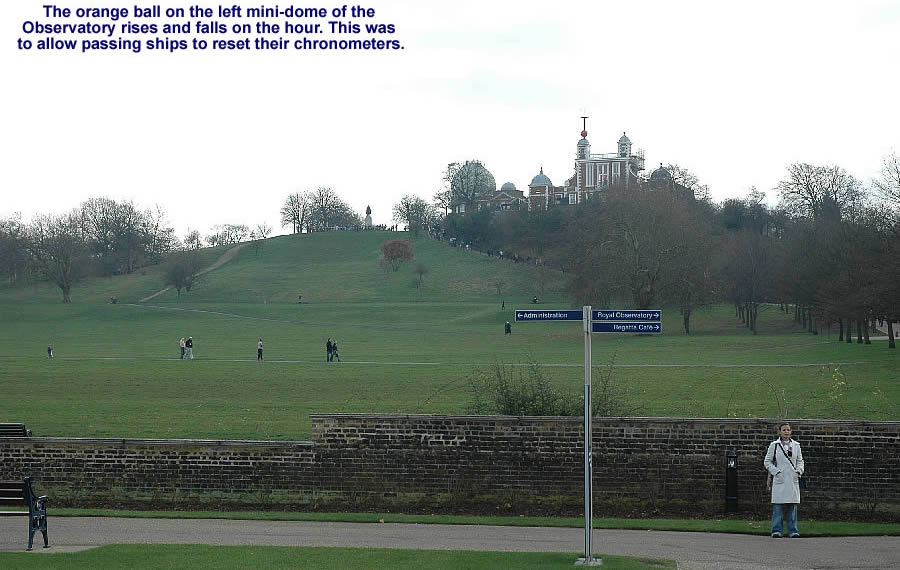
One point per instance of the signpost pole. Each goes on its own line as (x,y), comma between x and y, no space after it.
(588,455)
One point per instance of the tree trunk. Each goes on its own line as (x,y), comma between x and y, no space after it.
(67,293)
(687,321)
(803,313)
(891,343)
(859,331)
(849,331)
(866,332)
(841,330)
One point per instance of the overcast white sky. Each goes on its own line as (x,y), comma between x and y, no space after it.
(733,91)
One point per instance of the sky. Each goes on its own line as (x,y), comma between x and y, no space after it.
(732,91)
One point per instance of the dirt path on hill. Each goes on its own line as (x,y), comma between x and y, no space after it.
(225,258)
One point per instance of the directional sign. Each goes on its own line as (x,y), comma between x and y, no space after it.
(626,315)
(631,327)
(549,315)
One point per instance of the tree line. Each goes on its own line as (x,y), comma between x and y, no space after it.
(103,237)
(830,248)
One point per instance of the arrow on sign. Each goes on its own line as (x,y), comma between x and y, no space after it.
(626,315)
(626,327)
(549,315)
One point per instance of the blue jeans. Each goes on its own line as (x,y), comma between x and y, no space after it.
(784,515)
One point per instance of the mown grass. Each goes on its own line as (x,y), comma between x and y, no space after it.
(220,557)
(405,350)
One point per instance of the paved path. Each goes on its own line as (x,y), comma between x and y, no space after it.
(692,550)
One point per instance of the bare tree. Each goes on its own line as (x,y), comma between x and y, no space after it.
(328,210)
(415,212)
(59,246)
(258,235)
(295,211)
(686,179)
(468,182)
(227,234)
(888,185)
(813,191)
(182,270)
(193,240)
(443,200)
(421,271)
(14,258)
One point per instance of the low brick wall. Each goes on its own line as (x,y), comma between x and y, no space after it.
(474,463)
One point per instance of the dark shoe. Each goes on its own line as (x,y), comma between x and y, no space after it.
(776,535)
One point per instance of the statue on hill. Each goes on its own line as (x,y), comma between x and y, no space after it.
(368,217)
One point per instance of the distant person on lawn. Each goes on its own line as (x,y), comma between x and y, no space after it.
(259,350)
(49,351)
(181,344)
(189,346)
(329,350)
(334,351)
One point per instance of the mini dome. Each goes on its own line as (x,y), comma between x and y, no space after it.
(541,179)
(660,174)
(624,139)
(508,187)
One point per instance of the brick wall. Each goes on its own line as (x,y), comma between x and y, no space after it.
(479,463)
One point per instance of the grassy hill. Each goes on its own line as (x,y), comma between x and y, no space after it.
(405,349)
(325,267)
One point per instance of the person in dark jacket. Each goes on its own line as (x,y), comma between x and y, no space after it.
(329,350)
(259,347)
(334,351)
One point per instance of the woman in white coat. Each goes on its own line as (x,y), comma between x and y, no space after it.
(784,461)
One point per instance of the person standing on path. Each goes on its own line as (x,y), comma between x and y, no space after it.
(784,461)
(49,351)
(189,346)
(259,350)
(329,350)
(181,344)
(507,329)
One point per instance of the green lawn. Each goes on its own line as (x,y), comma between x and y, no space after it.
(220,557)
(405,349)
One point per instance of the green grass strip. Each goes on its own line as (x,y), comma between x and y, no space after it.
(166,556)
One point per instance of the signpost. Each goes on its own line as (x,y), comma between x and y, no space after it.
(631,327)
(601,321)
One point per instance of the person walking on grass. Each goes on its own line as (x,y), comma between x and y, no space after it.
(329,350)
(181,344)
(334,351)
(49,351)
(784,462)
(189,348)
(259,350)
(507,328)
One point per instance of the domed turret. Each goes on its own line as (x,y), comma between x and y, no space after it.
(660,175)
(541,179)
(508,187)
(624,146)
(584,147)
